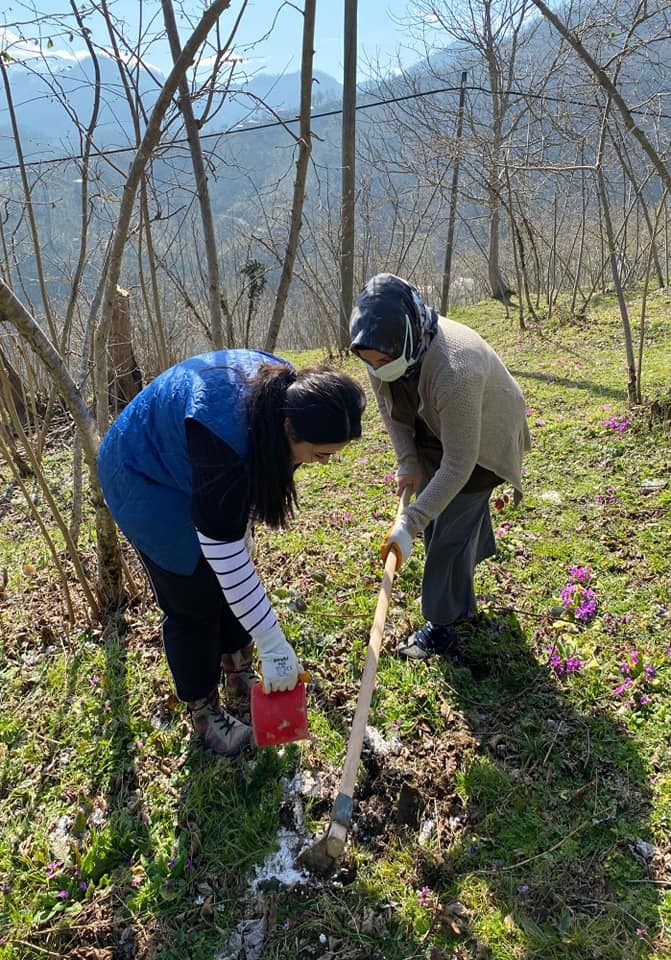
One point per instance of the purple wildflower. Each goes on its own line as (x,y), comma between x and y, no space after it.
(581,574)
(612,624)
(569,594)
(619,424)
(571,664)
(638,674)
(578,598)
(555,659)
(424,896)
(586,609)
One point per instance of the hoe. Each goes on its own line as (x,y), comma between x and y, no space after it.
(322,855)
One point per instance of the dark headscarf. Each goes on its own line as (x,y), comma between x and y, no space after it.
(385,308)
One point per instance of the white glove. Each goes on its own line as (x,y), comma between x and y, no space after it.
(279,664)
(398,539)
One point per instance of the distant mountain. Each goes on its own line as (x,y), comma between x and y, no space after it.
(280,93)
(46,104)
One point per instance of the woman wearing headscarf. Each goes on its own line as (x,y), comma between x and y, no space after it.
(206,449)
(456,419)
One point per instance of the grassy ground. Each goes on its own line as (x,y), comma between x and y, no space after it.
(517,801)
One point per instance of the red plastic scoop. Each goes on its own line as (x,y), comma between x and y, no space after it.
(279,717)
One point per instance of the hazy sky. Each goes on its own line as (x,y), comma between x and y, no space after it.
(380,36)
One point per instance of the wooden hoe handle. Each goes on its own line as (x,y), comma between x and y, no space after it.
(342,808)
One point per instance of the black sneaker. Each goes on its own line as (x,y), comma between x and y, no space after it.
(430,640)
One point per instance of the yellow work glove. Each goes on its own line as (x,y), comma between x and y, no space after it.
(398,539)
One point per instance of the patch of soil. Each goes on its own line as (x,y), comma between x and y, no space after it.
(97,934)
(409,788)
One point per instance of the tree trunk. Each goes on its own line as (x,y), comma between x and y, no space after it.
(447,265)
(498,286)
(110,574)
(30,213)
(644,299)
(639,189)
(16,388)
(193,136)
(124,376)
(154,309)
(348,171)
(581,246)
(86,139)
(624,313)
(150,139)
(304,149)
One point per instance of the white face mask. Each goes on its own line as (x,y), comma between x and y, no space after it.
(395,369)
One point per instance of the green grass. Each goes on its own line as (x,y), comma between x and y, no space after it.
(536,792)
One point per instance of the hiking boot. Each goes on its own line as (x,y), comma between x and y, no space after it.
(430,640)
(217,729)
(239,673)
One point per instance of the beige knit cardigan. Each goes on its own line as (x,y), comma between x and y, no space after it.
(470,401)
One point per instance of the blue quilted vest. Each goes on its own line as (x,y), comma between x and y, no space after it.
(143,461)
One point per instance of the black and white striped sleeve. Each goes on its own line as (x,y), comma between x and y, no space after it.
(240,583)
(220,513)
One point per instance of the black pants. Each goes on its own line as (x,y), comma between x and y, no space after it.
(198,628)
(456,542)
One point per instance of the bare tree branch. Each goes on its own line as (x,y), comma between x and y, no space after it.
(607,84)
